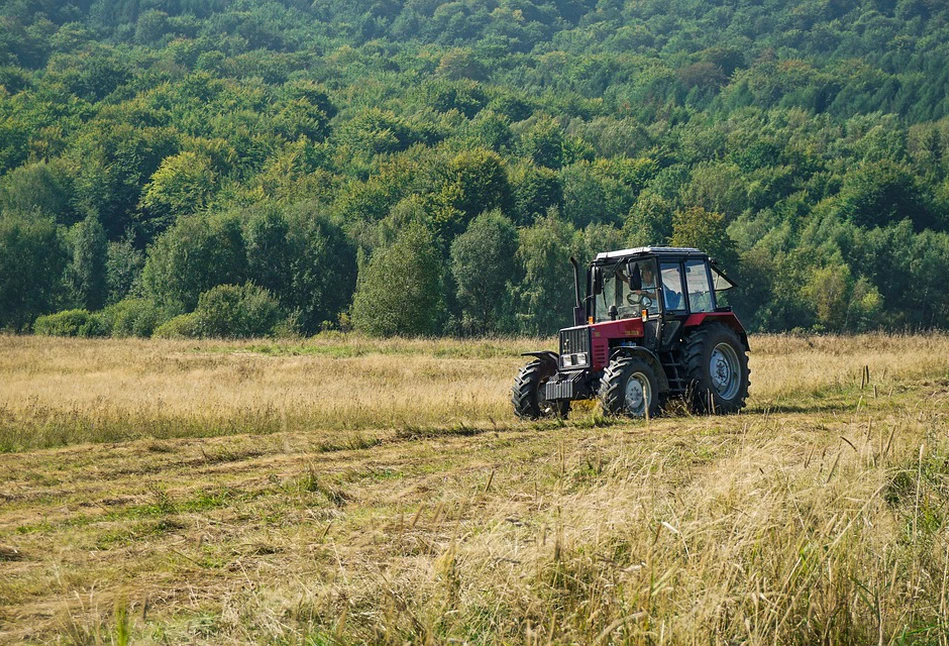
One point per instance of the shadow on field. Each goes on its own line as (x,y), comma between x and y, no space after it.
(816,407)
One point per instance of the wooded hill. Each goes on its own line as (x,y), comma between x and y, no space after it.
(203,168)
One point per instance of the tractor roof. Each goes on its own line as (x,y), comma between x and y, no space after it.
(660,252)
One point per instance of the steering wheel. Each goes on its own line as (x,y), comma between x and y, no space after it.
(639,298)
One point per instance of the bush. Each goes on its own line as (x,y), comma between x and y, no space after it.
(233,311)
(70,323)
(32,261)
(193,256)
(182,326)
(401,289)
(132,317)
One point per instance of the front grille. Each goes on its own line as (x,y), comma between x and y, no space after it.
(575,341)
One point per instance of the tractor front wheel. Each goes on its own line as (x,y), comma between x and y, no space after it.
(717,368)
(629,387)
(528,397)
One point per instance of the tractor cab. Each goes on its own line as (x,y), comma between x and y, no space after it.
(671,280)
(653,325)
(661,286)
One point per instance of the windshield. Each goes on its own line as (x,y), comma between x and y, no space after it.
(630,286)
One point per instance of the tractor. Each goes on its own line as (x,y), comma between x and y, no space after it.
(650,330)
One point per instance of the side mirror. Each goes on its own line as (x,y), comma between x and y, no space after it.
(635,277)
(597,280)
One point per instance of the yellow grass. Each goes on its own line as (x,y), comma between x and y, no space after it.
(344,490)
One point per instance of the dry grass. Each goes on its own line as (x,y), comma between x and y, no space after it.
(59,391)
(264,502)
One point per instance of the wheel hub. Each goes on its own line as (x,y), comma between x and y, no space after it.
(723,371)
(637,394)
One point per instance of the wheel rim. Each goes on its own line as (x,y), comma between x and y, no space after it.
(724,371)
(638,394)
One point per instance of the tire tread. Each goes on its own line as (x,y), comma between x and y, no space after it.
(697,397)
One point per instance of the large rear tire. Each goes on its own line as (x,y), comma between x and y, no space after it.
(717,369)
(629,387)
(527,395)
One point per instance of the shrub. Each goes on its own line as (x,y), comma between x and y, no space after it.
(132,317)
(70,323)
(193,256)
(180,327)
(32,260)
(401,289)
(233,311)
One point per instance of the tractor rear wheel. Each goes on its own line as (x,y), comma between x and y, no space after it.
(629,387)
(527,395)
(717,369)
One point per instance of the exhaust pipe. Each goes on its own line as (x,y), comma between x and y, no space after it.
(579,316)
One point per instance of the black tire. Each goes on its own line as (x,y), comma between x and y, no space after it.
(527,395)
(723,387)
(629,387)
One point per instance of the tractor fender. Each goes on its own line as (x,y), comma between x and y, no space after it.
(545,356)
(649,357)
(727,318)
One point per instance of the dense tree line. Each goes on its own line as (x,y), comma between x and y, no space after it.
(207,168)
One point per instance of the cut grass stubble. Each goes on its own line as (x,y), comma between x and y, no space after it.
(818,515)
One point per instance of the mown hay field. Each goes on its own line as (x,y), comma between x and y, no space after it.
(343,490)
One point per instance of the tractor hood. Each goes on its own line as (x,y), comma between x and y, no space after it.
(589,345)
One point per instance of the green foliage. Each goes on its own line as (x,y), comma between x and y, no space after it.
(649,221)
(545,295)
(132,317)
(113,162)
(124,265)
(231,311)
(43,187)
(882,193)
(32,261)
(196,254)
(536,190)
(183,184)
(472,182)
(705,230)
(401,288)
(483,266)
(70,323)
(86,275)
(543,143)
(183,326)
(305,260)
(603,191)
(813,130)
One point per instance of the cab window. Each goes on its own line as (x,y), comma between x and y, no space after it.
(630,287)
(672,286)
(699,286)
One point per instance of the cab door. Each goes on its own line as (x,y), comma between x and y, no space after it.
(645,284)
(675,306)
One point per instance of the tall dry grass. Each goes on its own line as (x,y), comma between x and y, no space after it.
(59,391)
(817,516)
(56,392)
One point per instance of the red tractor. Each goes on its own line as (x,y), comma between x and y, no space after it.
(650,329)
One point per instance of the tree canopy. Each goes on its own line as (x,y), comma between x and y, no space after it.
(151,152)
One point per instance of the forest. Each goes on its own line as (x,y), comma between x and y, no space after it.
(202,168)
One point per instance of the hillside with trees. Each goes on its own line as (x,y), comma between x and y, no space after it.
(212,168)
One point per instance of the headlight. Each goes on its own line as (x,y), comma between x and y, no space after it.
(578,359)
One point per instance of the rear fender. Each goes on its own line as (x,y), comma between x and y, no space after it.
(726,318)
(649,357)
(546,357)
